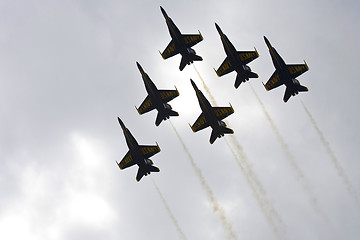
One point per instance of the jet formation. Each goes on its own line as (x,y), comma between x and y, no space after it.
(181,43)
(285,74)
(156,99)
(236,61)
(211,116)
(138,154)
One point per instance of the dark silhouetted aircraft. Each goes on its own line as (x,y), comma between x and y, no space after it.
(211,116)
(236,61)
(138,154)
(181,43)
(157,99)
(285,74)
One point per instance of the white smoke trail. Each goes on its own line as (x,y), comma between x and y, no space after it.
(177,226)
(253,181)
(212,99)
(299,174)
(255,185)
(216,206)
(334,160)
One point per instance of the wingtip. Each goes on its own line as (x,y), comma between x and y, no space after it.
(177,90)
(161,55)
(216,72)
(307,67)
(256,51)
(191,127)
(265,86)
(158,146)
(137,110)
(231,107)
(201,35)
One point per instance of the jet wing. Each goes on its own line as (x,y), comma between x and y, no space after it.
(222,112)
(297,69)
(127,161)
(149,151)
(224,68)
(168,95)
(192,39)
(170,50)
(274,81)
(146,106)
(247,56)
(200,123)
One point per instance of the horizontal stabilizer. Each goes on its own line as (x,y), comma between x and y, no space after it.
(228,130)
(287,94)
(213,136)
(252,75)
(160,116)
(154,169)
(182,63)
(302,88)
(239,79)
(140,174)
(197,58)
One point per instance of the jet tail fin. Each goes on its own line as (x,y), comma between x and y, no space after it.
(161,116)
(216,134)
(145,171)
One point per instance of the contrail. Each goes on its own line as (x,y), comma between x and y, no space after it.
(334,160)
(255,185)
(216,206)
(212,99)
(253,181)
(292,162)
(180,232)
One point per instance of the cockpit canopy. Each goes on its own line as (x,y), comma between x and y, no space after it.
(191,51)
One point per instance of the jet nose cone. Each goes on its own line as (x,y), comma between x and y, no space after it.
(218,28)
(267,42)
(139,66)
(163,11)
(193,84)
(121,124)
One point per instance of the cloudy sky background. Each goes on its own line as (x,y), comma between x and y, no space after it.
(67,70)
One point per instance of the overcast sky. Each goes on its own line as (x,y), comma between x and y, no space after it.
(68,69)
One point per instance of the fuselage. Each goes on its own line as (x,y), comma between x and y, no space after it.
(133,146)
(206,108)
(281,67)
(177,37)
(232,54)
(152,90)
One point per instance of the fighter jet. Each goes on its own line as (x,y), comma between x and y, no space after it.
(181,43)
(285,74)
(138,154)
(236,61)
(157,99)
(211,116)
